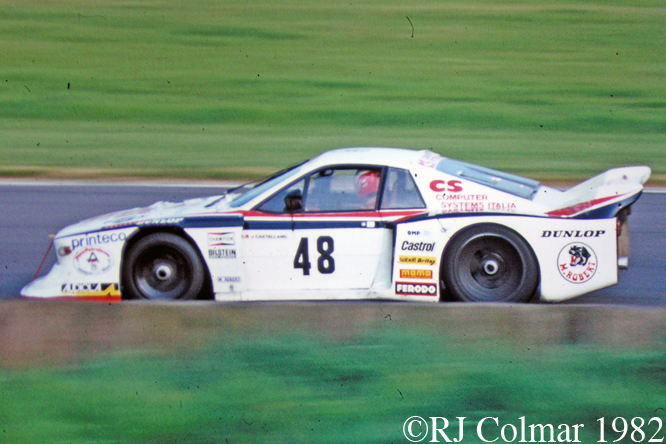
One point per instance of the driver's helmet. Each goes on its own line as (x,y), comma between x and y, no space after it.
(367,184)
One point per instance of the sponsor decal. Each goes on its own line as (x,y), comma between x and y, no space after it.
(90,240)
(221,253)
(452,186)
(462,197)
(577,263)
(429,159)
(415,289)
(162,221)
(417,246)
(419,233)
(216,239)
(92,289)
(573,233)
(263,236)
(502,206)
(415,274)
(420,260)
(477,207)
(92,261)
(463,207)
(229,279)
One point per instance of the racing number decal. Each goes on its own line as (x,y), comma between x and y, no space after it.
(325,262)
(302,259)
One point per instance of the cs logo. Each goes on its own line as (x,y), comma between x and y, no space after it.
(453,186)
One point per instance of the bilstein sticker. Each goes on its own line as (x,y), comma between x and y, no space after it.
(221,253)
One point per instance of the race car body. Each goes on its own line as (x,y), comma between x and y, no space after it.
(358,223)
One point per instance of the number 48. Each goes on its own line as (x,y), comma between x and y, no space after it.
(325,262)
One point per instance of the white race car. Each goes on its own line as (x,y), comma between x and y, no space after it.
(359,223)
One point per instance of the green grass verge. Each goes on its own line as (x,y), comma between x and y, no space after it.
(212,89)
(304,388)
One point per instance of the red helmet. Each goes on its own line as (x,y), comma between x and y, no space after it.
(367,183)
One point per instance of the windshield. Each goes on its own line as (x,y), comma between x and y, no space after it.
(265,185)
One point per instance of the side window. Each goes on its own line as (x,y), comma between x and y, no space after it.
(342,189)
(400,191)
(331,189)
(276,203)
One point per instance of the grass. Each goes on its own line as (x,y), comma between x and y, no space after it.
(301,387)
(211,89)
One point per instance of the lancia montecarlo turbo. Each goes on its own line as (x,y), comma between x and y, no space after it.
(358,223)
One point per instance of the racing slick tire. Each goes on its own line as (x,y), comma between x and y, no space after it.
(162,266)
(489,263)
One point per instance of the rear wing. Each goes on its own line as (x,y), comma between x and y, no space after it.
(602,196)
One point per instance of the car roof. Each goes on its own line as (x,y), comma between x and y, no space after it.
(395,157)
(404,158)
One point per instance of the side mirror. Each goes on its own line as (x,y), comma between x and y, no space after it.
(293,201)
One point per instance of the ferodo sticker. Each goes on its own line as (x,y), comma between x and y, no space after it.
(421,260)
(92,261)
(415,289)
(577,263)
(415,274)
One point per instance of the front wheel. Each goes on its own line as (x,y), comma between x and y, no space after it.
(162,266)
(489,263)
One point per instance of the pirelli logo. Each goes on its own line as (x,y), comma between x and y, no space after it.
(415,274)
(420,260)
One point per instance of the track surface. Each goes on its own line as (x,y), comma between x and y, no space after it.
(29,213)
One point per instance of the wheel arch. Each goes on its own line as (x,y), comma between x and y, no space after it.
(481,225)
(207,290)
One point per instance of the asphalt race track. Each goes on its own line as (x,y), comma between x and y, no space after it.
(31,211)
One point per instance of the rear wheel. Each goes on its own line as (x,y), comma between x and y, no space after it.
(489,263)
(162,266)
